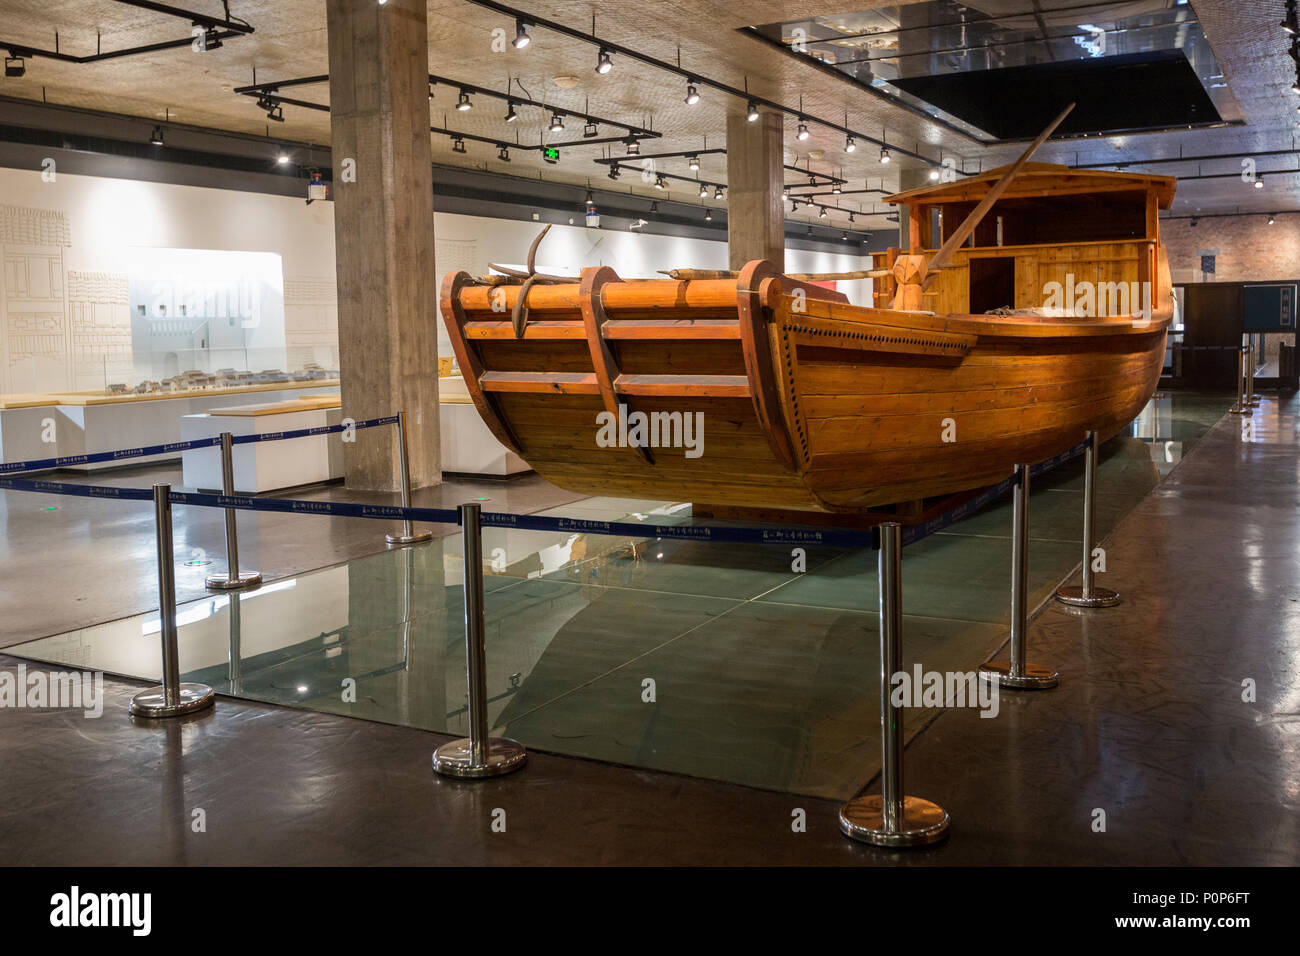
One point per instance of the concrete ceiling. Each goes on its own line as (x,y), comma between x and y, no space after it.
(197,89)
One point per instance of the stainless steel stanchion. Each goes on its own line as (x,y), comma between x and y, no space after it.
(172,698)
(477,755)
(1242,405)
(1016,674)
(892,818)
(1088,595)
(1251,397)
(234,578)
(408,535)
(235,656)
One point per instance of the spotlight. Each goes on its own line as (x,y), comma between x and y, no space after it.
(557,123)
(717,192)
(934,175)
(835,188)
(457,144)
(282,159)
(850,145)
(1270,219)
(522,39)
(503,154)
(802,132)
(590,130)
(751,112)
(511,115)
(704,190)
(591,201)
(654,205)
(1259,184)
(15,66)
(633,147)
(211,40)
(844,235)
(850,217)
(809,232)
(708,215)
(660,182)
(884,154)
(463,103)
(614,172)
(822,213)
(603,63)
(1194,221)
(785,194)
(693,162)
(692,94)
(794,207)
(156,139)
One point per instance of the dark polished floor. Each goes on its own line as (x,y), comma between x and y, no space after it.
(1148,726)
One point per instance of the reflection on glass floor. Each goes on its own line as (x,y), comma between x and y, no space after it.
(762,675)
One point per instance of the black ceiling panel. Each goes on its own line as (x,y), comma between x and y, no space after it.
(1139,91)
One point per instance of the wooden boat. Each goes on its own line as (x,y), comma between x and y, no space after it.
(811,404)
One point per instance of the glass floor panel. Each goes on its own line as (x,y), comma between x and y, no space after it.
(762,675)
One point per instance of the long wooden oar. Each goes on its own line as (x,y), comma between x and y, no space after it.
(962,232)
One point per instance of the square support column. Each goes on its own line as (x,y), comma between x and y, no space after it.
(383,235)
(755,176)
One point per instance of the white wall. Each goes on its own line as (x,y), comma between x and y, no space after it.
(66,246)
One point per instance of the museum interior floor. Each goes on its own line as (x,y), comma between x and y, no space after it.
(765,678)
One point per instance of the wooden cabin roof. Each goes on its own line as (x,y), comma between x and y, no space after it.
(1039,180)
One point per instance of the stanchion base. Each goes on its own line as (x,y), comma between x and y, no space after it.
(1097,597)
(455,759)
(1240,410)
(1034,677)
(153,702)
(222,582)
(863,819)
(401,539)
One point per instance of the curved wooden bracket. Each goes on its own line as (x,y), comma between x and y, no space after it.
(756,344)
(602,356)
(471,367)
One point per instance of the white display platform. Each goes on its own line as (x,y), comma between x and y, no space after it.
(107,425)
(268,465)
(468,445)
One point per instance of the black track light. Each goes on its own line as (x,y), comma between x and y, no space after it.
(156,138)
(884,154)
(708,215)
(590,130)
(660,182)
(511,114)
(557,123)
(15,66)
(522,39)
(802,132)
(463,103)
(591,200)
(717,192)
(693,162)
(751,112)
(654,205)
(704,190)
(614,172)
(633,147)
(1270,218)
(457,144)
(503,154)
(692,94)
(822,214)
(850,145)
(603,63)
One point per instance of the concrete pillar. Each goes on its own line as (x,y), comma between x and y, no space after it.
(383,235)
(755,173)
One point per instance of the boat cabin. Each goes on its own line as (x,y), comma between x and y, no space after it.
(1053,224)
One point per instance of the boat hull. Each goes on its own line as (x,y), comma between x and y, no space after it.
(807,404)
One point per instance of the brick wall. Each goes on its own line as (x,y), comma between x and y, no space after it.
(1249,248)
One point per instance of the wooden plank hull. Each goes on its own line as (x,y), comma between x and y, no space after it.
(806,403)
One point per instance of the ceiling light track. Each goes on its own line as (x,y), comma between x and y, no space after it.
(694,78)
(272,88)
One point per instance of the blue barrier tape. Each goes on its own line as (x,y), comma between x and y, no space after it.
(318,430)
(764,534)
(81,491)
(122,454)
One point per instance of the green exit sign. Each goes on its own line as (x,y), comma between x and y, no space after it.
(551,155)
